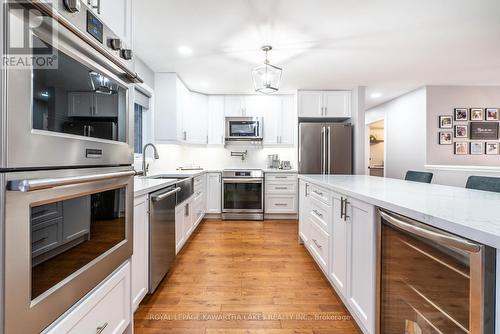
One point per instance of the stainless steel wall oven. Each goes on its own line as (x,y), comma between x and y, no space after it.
(243,194)
(431,281)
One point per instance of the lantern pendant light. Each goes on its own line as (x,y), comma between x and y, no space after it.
(266,77)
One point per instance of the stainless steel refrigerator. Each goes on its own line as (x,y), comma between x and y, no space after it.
(325,148)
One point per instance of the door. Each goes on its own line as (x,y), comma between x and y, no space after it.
(287,121)
(310,104)
(311,142)
(242,195)
(338,267)
(161,234)
(234,106)
(51,261)
(339,147)
(337,104)
(214,186)
(215,120)
(272,119)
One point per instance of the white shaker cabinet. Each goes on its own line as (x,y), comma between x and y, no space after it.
(234,106)
(194,119)
(324,104)
(216,124)
(338,267)
(214,193)
(140,257)
(304,207)
(116,14)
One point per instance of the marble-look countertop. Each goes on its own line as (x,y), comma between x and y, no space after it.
(144,185)
(284,171)
(472,214)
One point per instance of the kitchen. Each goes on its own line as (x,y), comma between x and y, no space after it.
(241,167)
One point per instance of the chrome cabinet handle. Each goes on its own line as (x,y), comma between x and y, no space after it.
(307,190)
(318,193)
(342,208)
(100,329)
(345,209)
(281,188)
(186,210)
(39,184)
(281,177)
(165,195)
(280,204)
(431,234)
(317,244)
(318,213)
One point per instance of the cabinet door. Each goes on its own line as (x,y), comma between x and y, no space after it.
(81,104)
(76,224)
(310,103)
(338,265)
(288,120)
(337,104)
(214,193)
(106,105)
(304,208)
(255,105)
(183,107)
(272,116)
(234,106)
(179,228)
(361,264)
(216,120)
(188,219)
(117,15)
(195,118)
(140,258)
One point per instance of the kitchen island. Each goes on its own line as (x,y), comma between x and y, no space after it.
(338,225)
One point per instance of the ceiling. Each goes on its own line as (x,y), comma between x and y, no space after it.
(389,46)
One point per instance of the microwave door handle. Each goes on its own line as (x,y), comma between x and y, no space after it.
(432,235)
(40,184)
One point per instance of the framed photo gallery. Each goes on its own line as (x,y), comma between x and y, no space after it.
(471,131)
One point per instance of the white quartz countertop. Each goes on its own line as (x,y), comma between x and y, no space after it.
(143,186)
(284,171)
(472,214)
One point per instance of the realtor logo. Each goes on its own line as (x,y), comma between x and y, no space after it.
(24,48)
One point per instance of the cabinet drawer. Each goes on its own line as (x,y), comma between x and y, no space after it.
(281,177)
(281,204)
(320,194)
(46,236)
(109,306)
(320,213)
(281,187)
(42,213)
(319,245)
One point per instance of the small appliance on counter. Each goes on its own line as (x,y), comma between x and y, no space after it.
(273,161)
(286,165)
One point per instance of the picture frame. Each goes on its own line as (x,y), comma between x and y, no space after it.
(492,114)
(492,148)
(446,138)
(484,131)
(446,122)
(461,148)
(476,148)
(477,114)
(461,114)
(461,131)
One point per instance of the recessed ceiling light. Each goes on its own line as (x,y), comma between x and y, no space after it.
(376,95)
(185,50)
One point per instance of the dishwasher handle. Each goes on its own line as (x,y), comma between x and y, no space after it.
(405,224)
(158,198)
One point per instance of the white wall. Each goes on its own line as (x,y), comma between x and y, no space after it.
(406,121)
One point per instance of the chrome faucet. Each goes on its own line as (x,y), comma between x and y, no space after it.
(145,166)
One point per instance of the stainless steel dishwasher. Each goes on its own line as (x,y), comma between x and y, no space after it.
(161,234)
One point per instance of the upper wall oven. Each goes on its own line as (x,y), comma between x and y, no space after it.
(74,110)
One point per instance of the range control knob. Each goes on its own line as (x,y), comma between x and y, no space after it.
(73,6)
(115,43)
(126,54)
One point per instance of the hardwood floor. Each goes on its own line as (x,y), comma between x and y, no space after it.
(244,278)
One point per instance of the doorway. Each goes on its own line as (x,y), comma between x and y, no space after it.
(376,160)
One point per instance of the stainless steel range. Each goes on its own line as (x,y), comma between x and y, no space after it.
(243,194)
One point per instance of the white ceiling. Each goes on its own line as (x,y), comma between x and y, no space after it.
(390,46)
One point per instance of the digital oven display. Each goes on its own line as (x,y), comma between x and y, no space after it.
(242,174)
(94,26)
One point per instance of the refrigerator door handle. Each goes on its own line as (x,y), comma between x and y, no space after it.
(329,142)
(323,150)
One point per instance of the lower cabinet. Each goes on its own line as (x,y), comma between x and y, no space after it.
(140,257)
(214,193)
(281,194)
(105,310)
(340,234)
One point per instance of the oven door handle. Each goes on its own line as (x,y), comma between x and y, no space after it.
(429,234)
(40,184)
(242,180)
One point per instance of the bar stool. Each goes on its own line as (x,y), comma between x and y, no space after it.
(422,177)
(484,183)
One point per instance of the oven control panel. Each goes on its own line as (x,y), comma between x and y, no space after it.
(245,174)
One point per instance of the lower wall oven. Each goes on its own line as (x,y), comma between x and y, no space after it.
(243,194)
(431,281)
(65,232)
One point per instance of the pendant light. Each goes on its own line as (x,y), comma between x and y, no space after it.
(266,77)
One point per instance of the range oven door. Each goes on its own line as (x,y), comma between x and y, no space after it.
(242,195)
(65,232)
(431,281)
(73,113)
(244,128)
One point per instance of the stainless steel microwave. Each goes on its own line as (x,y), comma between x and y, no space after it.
(244,128)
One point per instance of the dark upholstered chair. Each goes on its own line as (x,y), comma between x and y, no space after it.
(484,183)
(419,176)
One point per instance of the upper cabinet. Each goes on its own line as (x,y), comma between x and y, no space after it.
(324,104)
(117,14)
(216,120)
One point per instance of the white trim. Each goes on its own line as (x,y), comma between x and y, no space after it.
(481,169)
